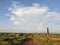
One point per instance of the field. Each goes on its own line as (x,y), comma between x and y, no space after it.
(18,38)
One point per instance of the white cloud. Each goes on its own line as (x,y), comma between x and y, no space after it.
(22,13)
(33,17)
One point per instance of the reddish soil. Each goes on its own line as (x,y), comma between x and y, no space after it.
(30,41)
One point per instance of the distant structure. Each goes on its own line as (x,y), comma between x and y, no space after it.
(48,33)
(47,30)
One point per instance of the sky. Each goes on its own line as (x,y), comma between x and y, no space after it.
(30,16)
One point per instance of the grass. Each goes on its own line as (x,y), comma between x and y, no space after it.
(16,38)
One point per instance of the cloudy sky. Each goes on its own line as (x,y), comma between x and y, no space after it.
(30,16)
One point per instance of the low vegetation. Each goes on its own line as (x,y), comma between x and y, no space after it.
(18,38)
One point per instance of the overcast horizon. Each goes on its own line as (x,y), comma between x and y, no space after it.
(30,16)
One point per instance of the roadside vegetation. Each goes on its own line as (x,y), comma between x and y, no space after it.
(18,38)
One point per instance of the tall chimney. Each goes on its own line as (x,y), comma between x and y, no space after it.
(48,37)
(47,30)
